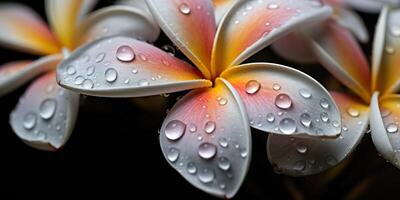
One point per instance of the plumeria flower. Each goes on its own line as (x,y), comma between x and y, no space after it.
(206,135)
(376,103)
(45,115)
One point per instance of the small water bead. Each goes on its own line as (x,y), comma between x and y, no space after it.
(175,129)
(252,87)
(305,120)
(143,82)
(222,101)
(270,117)
(330,160)
(301,148)
(111,75)
(169,49)
(324,103)
(100,57)
(192,128)
(353,112)
(222,186)
(207,150)
(345,128)
(390,50)
(243,153)
(305,93)
(206,175)
(287,126)
(325,117)
(143,57)
(224,163)
(335,124)
(276,87)
(392,128)
(283,101)
(47,108)
(71,70)
(395,31)
(191,168)
(29,121)
(184,9)
(134,71)
(125,53)
(223,142)
(127,81)
(273,6)
(173,154)
(209,127)
(79,80)
(299,165)
(87,84)
(90,70)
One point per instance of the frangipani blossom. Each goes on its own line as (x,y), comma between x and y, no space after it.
(45,115)
(206,135)
(380,110)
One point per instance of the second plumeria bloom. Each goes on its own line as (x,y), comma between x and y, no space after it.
(206,135)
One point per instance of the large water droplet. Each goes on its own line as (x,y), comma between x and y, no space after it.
(79,80)
(301,148)
(283,101)
(324,103)
(209,127)
(207,150)
(353,112)
(111,75)
(206,175)
(184,8)
(305,93)
(392,128)
(71,70)
(191,168)
(100,57)
(325,117)
(224,163)
(287,126)
(222,101)
(173,154)
(125,53)
(276,86)
(223,142)
(87,84)
(175,129)
(270,117)
(252,87)
(47,108)
(305,119)
(29,121)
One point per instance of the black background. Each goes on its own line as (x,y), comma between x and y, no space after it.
(114,152)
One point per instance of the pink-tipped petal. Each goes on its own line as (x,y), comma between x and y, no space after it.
(252,25)
(278,98)
(206,137)
(301,157)
(45,115)
(125,67)
(22,29)
(190,24)
(15,74)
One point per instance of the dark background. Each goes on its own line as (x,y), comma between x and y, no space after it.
(114,152)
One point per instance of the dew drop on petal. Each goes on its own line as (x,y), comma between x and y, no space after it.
(301,148)
(71,70)
(175,129)
(287,126)
(270,117)
(184,9)
(87,84)
(305,93)
(224,163)
(353,112)
(209,127)
(29,121)
(223,142)
(191,168)
(325,117)
(305,119)
(47,108)
(283,101)
(324,103)
(173,154)
(276,86)
(111,75)
(273,6)
(79,80)
(206,175)
(192,128)
(330,160)
(395,31)
(299,165)
(252,87)
(392,128)
(100,57)
(125,53)
(207,150)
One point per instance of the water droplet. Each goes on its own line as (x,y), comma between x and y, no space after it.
(224,163)
(222,186)
(100,57)
(222,101)
(389,50)
(243,153)
(71,70)
(125,54)
(87,84)
(276,87)
(47,108)
(127,81)
(330,160)
(206,175)
(270,117)
(134,71)
(79,80)
(287,126)
(191,168)
(353,112)
(335,124)
(29,121)
(169,49)
(90,70)
(301,148)
(143,57)
(345,128)
(173,154)
(395,31)
(223,142)
(184,9)
(392,128)
(299,165)
(192,128)
(111,75)
(209,127)
(324,117)
(144,82)
(324,103)
(283,101)
(305,119)
(175,129)
(207,150)
(305,93)
(273,6)
(252,87)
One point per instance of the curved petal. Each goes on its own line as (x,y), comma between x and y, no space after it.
(354,23)
(206,138)
(385,127)
(141,5)
(177,18)
(118,20)
(221,7)
(22,28)
(46,114)
(64,16)
(285,101)
(340,54)
(252,25)
(387,52)
(125,67)
(300,157)
(294,47)
(370,6)
(15,74)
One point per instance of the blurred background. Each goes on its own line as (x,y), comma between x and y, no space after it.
(114,151)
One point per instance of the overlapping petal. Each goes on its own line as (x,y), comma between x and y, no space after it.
(206,138)
(353,22)
(282,100)
(252,25)
(125,67)
(190,25)
(221,7)
(15,74)
(300,156)
(371,6)
(22,29)
(45,115)
(295,47)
